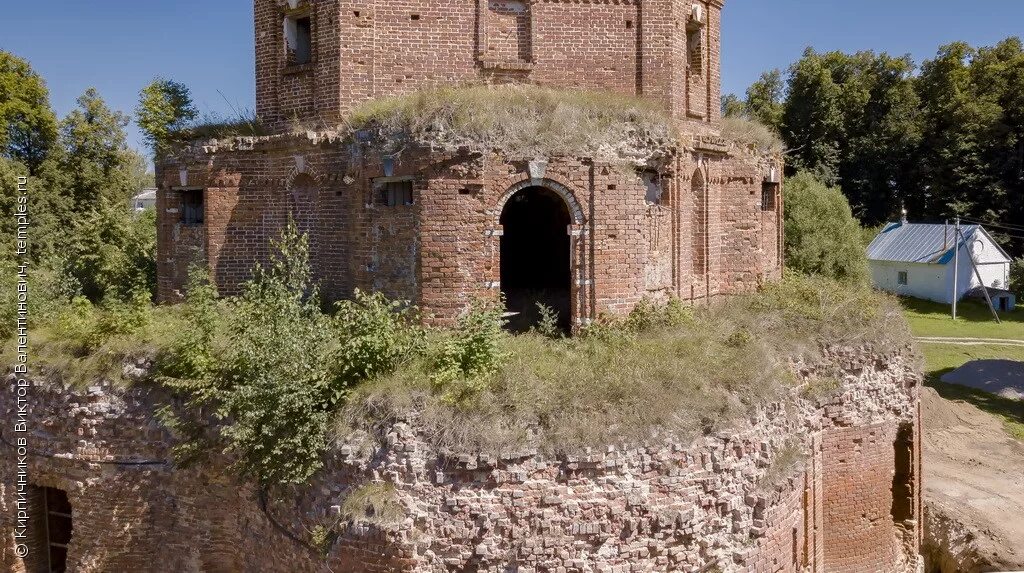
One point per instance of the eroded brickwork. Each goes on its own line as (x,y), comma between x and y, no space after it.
(367,49)
(690,223)
(678,506)
(701,232)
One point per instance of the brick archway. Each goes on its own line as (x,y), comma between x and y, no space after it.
(575,209)
(535,256)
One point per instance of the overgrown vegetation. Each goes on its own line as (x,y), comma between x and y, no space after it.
(168,118)
(664,370)
(752,132)
(944,138)
(1017,278)
(84,238)
(373,503)
(522,121)
(822,236)
(282,379)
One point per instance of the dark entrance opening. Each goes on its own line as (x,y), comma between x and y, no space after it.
(535,257)
(51,515)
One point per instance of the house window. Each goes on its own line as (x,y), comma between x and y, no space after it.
(394,193)
(768,196)
(298,31)
(192,208)
(901,278)
(53,512)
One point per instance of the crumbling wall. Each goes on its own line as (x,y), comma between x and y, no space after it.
(732,500)
(635,233)
(370,49)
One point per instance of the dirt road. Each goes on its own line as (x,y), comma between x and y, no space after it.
(974,488)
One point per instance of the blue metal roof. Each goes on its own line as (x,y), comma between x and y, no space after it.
(917,243)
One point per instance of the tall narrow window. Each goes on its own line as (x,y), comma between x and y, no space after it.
(298,32)
(192,209)
(700,221)
(901,278)
(697,63)
(769,192)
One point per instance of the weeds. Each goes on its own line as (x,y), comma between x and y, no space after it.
(524,122)
(375,504)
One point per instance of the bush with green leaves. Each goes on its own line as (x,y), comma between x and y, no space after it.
(1017,277)
(279,384)
(822,236)
(274,368)
(471,352)
(375,335)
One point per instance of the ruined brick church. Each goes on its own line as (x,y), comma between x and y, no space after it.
(442,228)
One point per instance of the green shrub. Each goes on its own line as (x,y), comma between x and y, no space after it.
(375,335)
(192,356)
(50,289)
(547,324)
(279,384)
(1017,277)
(470,353)
(822,236)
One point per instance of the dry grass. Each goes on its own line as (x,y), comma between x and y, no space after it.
(375,504)
(674,380)
(77,347)
(752,133)
(524,122)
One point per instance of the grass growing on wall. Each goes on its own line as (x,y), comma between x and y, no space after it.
(662,371)
(522,121)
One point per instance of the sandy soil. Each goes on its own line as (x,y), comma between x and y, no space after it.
(974,475)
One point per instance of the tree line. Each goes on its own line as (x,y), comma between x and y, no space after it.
(943,139)
(82,175)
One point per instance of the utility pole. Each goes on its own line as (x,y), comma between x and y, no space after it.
(984,289)
(956,263)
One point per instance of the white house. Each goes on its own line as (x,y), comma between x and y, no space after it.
(917,260)
(144,200)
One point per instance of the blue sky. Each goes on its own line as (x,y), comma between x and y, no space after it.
(118,46)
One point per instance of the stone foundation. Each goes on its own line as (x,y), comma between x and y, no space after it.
(722,502)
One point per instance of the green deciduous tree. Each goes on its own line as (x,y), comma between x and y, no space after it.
(822,236)
(765,99)
(733,106)
(165,107)
(30,126)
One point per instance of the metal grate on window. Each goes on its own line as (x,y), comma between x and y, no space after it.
(395,193)
(192,208)
(769,192)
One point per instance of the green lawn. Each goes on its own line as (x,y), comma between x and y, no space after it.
(943,358)
(974,320)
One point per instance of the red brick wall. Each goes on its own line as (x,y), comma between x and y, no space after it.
(860,533)
(366,49)
(443,251)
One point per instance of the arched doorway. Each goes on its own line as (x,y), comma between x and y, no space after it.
(535,262)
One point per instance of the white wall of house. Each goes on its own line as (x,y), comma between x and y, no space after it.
(926,281)
(935,281)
